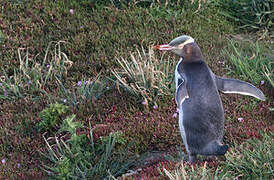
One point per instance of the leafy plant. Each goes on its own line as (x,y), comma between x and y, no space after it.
(118,135)
(134,3)
(269,73)
(50,117)
(69,125)
(251,14)
(255,68)
(145,76)
(80,157)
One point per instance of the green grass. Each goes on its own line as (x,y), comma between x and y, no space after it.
(251,160)
(95,42)
(82,157)
(84,90)
(250,14)
(250,62)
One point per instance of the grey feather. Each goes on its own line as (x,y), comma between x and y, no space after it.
(181,93)
(227,85)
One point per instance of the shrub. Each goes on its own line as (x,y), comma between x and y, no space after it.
(83,90)
(190,172)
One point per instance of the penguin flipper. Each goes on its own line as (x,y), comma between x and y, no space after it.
(181,93)
(227,85)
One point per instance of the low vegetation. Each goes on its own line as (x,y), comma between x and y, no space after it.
(146,76)
(250,64)
(244,161)
(250,14)
(83,95)
(81,157)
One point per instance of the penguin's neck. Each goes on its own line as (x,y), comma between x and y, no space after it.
(192,53)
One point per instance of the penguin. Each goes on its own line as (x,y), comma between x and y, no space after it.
(201,113)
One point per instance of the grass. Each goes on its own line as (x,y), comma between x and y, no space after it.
(84,90)
(244,161)
(146,76)
(251,14)
(34,72)
(252,159)
(81,157)
(104,37)
(186,172)
(57,61)
(256,67)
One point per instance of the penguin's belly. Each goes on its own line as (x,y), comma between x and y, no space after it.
(201,120)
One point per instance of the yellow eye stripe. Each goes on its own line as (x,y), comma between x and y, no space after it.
(190,40)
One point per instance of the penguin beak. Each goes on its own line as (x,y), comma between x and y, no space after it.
(164,47)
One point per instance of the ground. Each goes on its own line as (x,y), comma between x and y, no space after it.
(91,36)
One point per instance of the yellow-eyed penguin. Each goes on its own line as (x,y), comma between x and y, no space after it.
(201,114)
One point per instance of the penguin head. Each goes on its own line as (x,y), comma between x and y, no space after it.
(184,46)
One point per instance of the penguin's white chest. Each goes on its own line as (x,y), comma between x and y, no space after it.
(180,106)
(181,127)
(177,75)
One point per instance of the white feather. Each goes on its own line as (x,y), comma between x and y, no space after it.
(182,128)
(242,93)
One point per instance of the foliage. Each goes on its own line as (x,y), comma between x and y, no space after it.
(190,172)
(50,117)
(83,90)
(118,137)
(34,73)
(94,43)
(96,32)
(146,76)
(70,126)
(131,3)
(2,37)
(257,68)
(81,157)
(251,160)
(251,14)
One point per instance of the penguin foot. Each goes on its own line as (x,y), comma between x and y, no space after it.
(222,149)
(211,158)
(215,149)
(192,158)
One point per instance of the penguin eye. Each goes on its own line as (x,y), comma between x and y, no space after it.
(180,46)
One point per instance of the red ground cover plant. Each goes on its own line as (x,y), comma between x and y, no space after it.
(19,141)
